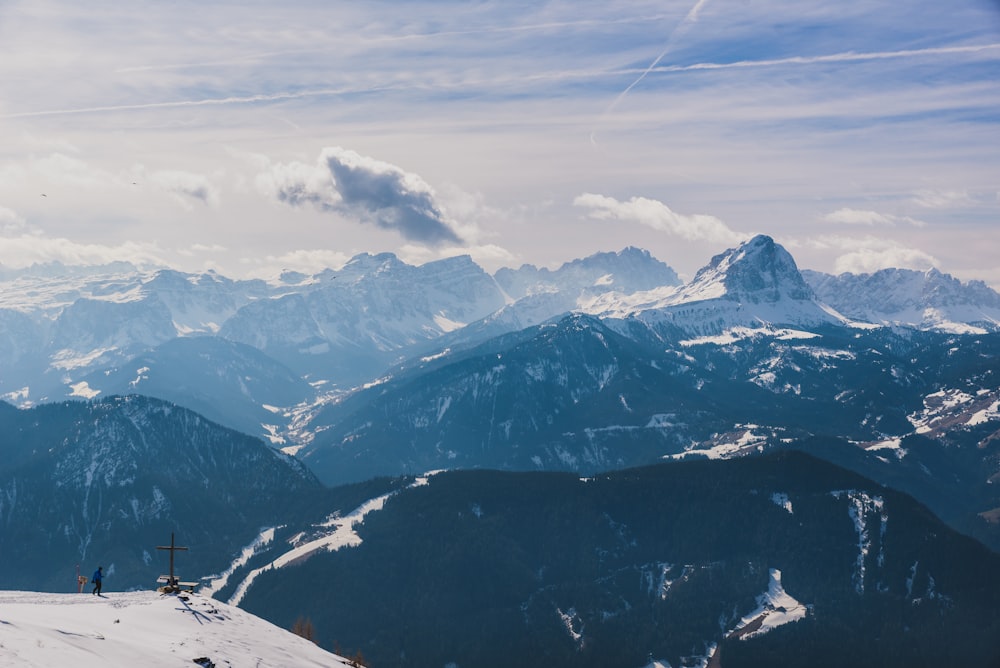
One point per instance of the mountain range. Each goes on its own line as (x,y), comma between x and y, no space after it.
(252,415)
(86,332)
(382,369)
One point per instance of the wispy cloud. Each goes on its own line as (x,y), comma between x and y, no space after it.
(10,221)
(659,216)
(943,199)
(187,186)
(26,249)
(862,217)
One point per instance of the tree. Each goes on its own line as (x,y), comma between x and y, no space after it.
(304,627)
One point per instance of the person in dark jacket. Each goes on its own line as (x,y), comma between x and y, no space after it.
(97,580)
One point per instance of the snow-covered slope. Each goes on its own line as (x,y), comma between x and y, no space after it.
(144,629)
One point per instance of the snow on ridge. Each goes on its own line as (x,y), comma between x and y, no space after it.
(948,408)
(720,451)
(67,359)
(217,582)
(446,324)
(895,445)
(337,532)
(781,500)
(341,534)
(742,439)
(775,607)
(571,620)
(615,304)
(992,412)
(84,390)
(860,505)
(734,334)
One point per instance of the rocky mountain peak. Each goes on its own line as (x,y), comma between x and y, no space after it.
(758,271)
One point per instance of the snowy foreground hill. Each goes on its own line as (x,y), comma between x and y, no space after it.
(144,629)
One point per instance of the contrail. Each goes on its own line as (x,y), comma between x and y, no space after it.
(248,99)
(688,19)
(846,56)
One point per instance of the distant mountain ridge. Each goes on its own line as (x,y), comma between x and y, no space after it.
(66,326)
(344,327)
(926,300)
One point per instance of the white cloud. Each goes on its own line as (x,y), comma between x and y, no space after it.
(11,222)
(308,261)
(202,248)
(24,250)
(488,256)
(657,215)
(63,170)
(868,260)
(942,199)
(862,217)
(869,254)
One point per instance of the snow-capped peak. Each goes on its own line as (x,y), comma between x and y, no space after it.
(758,271)
(756,284)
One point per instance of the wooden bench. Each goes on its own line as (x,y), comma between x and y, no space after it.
(176,585)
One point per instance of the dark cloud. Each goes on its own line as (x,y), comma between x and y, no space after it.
(386,195)
(364,189)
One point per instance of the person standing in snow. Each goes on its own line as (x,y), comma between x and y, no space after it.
(97,580)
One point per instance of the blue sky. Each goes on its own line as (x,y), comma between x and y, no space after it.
(251,137)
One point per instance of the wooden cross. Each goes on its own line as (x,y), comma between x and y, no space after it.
(172,549)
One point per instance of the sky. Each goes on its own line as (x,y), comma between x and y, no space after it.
(251,137)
